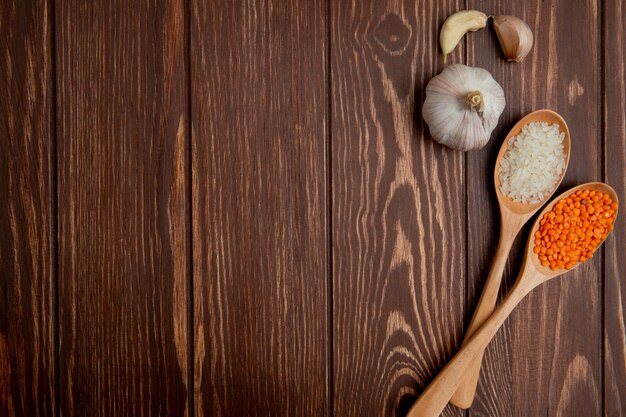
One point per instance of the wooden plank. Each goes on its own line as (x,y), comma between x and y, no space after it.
(614,45)
(27,319)
(398,209)
(259,105)
(547,358)
(123,212)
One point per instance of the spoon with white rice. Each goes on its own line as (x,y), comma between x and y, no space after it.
(530,166)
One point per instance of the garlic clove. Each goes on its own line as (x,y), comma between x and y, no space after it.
(462,107)
(516,38)
(457,25)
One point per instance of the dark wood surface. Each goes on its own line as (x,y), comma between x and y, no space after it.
(398,204)
(27,211)
(614,171)
(219,208)
(260,233)
(123,251)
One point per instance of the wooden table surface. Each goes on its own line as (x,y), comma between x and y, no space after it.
(234,208)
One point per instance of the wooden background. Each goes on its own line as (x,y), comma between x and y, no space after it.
(229,208)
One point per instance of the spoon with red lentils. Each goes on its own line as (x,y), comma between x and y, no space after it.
(566,234)
(574,228)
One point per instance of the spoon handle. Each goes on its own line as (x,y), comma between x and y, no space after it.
(434,399)
(464,395)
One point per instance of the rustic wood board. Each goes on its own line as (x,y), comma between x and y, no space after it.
(235,208)
(27,241)
(398,210)
(123,208)
(260,231)
(547,359)
(614,89)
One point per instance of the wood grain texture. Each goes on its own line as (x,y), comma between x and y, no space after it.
(334,250)
(547,358)
(614,15)
(260,230)
(123,212)
(27,331)
(397,209)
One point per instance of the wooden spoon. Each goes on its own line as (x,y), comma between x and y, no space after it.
(434,399)
(513,216)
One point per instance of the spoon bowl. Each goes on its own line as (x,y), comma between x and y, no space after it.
(513,216)
(544,115)
(531,260)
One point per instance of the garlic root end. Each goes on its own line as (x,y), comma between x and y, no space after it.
(474,100)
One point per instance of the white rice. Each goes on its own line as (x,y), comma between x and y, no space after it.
(533,163)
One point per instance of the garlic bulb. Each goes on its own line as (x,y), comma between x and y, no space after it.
(462,107)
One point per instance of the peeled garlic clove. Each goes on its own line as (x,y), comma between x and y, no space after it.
(462,107)
(457,25)
(516,38)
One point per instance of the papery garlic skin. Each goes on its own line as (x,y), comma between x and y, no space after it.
(462,107)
